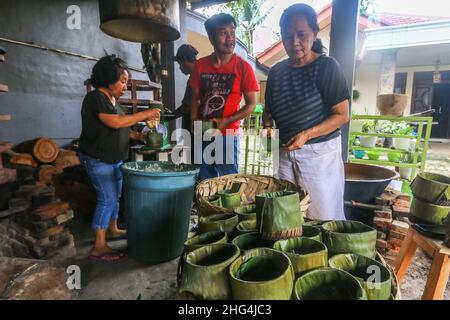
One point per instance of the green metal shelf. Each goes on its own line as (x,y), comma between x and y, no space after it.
(387,150)
(385,135)
(423,132)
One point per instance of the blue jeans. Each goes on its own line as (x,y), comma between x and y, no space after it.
(224,164)
(107,181)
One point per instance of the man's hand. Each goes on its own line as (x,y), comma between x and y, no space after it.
(297,142)
(221,123)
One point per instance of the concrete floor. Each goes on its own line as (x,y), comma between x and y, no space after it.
(128,280)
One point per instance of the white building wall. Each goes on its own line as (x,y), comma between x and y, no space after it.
(366,81)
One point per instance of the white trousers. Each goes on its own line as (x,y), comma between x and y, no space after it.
(319,170)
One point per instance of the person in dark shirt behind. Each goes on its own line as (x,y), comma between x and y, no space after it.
(104,143)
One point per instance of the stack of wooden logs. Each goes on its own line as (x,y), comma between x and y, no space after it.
(45,155)
(33,219)
(391,222)
(36,225)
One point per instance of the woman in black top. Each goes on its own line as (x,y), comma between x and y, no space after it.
(104,143)
(308,97)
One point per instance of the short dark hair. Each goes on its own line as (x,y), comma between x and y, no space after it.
(218,20)
(108,71)
(303,10)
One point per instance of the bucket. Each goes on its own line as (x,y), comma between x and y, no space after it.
(328,284)
(205,271)
(218,222)
(305,254)
(158,200)
(374,277)
(262,274)
(349,237)
(205,239)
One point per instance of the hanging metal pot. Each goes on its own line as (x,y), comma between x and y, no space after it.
(140,20)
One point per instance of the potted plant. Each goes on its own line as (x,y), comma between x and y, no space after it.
(369,126)
(405,173)
(403,128)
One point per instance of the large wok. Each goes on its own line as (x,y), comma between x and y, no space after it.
(363,183)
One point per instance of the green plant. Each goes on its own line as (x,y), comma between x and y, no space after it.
(407,157)
(393,127)
(369,126)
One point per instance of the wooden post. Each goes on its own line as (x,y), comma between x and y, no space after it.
(343,35)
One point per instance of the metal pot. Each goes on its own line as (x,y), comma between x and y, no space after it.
(364,182)
(140,20)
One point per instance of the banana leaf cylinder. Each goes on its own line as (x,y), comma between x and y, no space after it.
(218,222)
(204,239)
(247,212)
(374,277)
(328,284)
(230,200)
(262,274)
(311,232)
(252,240)
(349,237)
(215,200)
(428,212)
(431,187)
(305,254)
(205,271)
(245,226)
(278,215)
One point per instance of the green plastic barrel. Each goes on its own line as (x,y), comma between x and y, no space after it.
(158,201)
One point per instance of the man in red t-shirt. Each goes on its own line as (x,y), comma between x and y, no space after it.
(218,83)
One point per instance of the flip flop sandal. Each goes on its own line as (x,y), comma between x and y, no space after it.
(104,257)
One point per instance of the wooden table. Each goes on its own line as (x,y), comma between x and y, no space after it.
(440,267)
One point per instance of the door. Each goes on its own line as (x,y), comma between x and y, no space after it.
(422,98)
(441,103)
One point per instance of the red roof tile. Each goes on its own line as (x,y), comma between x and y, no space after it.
(393,19)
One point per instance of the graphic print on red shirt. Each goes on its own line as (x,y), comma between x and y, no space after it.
(216,88)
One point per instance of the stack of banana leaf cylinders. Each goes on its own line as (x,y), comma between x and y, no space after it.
(261,247)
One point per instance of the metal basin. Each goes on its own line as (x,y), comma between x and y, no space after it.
(363,183)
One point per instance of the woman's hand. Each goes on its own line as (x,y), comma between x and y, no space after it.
(153,114)
(267,133)
(297,142)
